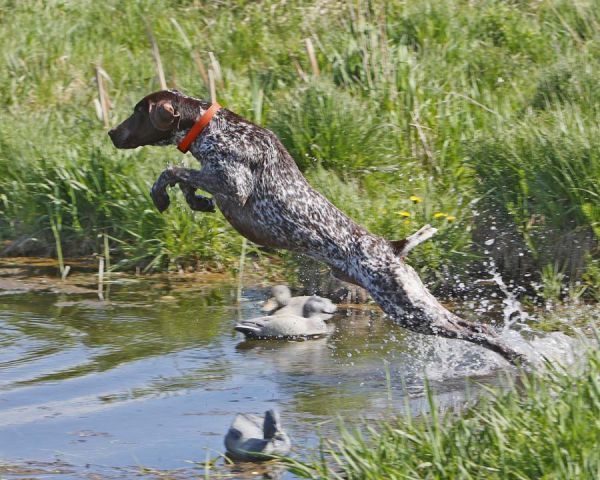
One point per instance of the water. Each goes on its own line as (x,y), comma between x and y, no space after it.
(152,378)
(512,310)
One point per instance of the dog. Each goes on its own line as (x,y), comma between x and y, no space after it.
(258,188)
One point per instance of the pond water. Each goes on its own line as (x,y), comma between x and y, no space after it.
(150,379)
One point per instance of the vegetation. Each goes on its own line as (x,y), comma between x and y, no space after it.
(482,120)
(548,428)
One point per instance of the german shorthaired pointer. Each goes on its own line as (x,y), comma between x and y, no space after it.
(259,189)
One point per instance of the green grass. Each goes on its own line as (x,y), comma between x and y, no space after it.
(548,427)
(478,110)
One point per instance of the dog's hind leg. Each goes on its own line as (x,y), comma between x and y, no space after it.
(343,276)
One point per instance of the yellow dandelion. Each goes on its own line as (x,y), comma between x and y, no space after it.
(439,215)
(404,213)
(450,218)
(415,199)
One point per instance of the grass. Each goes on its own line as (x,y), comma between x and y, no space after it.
(478,112)
(546,428)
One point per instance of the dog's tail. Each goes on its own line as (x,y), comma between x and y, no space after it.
(402,247)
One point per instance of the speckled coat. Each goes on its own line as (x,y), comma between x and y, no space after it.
(259,189)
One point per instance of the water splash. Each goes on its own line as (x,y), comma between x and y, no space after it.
(556,348)
(512,310)
(453,359)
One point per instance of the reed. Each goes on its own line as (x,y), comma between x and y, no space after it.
(310,50)
(157,59)
(100,278)
(59,255)
(103,101)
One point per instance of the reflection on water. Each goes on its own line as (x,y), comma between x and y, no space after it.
(153,377)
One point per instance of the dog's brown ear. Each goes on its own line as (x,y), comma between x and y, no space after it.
(163,116)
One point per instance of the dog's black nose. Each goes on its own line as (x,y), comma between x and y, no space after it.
(117,137)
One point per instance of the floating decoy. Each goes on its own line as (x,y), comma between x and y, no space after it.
(254,438)
(283,302)
(283,324)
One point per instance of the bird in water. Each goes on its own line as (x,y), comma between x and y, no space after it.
(255,438)
(291,323)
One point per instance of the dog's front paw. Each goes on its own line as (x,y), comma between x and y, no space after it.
(159,197)
(199,203)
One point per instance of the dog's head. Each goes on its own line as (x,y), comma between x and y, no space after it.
(155,120)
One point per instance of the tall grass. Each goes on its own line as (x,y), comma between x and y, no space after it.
(545,428)
(471,109)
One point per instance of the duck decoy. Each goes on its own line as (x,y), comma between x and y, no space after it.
(254,438)
(283,324)
(283,302)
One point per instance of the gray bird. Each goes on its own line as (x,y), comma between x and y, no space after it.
(282,302)
(253,438)
(284,324)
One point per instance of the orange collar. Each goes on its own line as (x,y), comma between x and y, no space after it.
(197,128)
